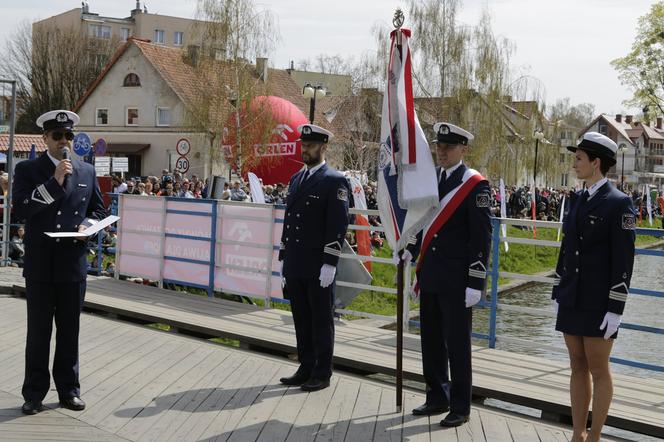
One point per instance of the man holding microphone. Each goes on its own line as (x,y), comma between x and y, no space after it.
(53,193)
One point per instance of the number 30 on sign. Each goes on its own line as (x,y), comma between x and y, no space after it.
(182,165)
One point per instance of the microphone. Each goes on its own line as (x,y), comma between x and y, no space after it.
(66,155)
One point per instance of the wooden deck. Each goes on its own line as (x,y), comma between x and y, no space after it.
(536,382)
(147,385)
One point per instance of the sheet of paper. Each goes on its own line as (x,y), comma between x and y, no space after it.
(87,232)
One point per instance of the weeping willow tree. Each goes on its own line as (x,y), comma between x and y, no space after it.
(226,84)
(466,76)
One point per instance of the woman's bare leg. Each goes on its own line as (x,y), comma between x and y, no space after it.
(598,351)
(579,386)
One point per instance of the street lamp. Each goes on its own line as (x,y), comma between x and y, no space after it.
(538,135)
(622,148)
(312,93)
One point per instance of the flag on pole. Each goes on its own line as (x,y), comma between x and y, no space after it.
(33,152)
(256,187)
(362,237)
(503,213)
(407,181)
(560,217)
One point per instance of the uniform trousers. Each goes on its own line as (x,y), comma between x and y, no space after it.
(62,302)
(313,315)
(445,329)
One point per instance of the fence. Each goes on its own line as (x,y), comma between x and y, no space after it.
(232,247)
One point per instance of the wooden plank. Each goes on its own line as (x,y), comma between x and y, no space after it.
(186,390)
(151,413)
(363,420)
(134,385)
(495,427)
(550,434)
(200,416)
(279,425)
(473,430)
(522,431)
(307,423)
(388,421)
(220,402)
(252,423)
(415,428)
(336,419)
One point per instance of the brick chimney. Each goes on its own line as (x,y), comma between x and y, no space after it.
(659,123)
(619,118)
(628,119)
(261,68)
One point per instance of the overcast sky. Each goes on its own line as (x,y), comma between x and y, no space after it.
(566,44)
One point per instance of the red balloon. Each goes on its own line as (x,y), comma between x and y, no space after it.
(269,137)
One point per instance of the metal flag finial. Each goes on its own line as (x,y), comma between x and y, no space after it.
(398,19)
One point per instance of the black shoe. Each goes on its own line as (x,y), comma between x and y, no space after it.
(454,420)
(31,407)
(429,409)
(314,384)
(73,403)
(296,379)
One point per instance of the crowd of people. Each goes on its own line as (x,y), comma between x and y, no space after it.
(518,203)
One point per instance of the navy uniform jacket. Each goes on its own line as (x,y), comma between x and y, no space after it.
(48,207)
(597,252)
(315,223)
(459,252)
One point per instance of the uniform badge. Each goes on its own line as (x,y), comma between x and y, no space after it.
(628,221)
(342,194)
(61,117)
(306,130)
(482,200)
(444,129)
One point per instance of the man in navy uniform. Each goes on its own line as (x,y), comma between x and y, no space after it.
(314,230)
(453,253)
(55,194)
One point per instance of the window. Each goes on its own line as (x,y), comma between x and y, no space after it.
(562,158)
(563,179)
(163,116)
(125,33)
(159,36)
(603,129)
(132,80)
(132,116)
(102,117)
(178,38)
(99,31)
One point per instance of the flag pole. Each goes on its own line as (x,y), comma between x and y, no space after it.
(397,21)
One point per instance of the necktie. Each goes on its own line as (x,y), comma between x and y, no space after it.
(304,176)
(441,184)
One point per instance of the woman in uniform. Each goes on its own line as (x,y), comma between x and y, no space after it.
(592,280)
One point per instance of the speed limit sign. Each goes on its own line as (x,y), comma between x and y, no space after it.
(182,165)
(183,147)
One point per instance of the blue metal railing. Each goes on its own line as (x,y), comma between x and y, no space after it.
(495,274)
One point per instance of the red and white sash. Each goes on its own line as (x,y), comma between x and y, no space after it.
(448,206)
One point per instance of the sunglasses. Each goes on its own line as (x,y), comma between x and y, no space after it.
(57,135)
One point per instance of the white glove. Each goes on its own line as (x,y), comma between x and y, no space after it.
(327,273)
(406,256)
(611,322)
(473,296)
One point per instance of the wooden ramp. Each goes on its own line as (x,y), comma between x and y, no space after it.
(142,384)
(530,381)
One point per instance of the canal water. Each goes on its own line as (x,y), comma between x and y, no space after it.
(632,345)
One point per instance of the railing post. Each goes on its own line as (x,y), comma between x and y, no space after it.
(495,260)
(213,248)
